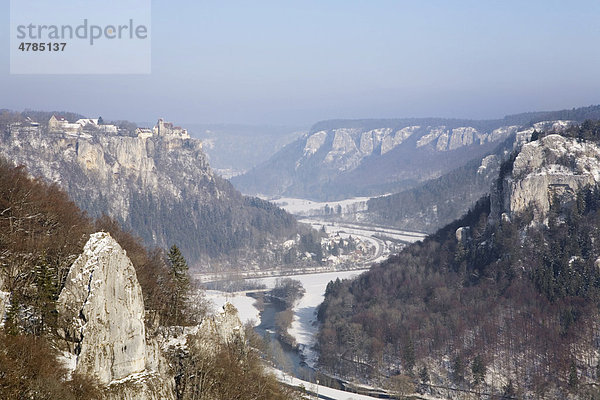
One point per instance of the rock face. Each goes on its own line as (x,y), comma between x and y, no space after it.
(463,234)
(162,188)
(103,312)
(214,331)
(341,159)
(225,326)
(4,303)
(104,300)
(553,167)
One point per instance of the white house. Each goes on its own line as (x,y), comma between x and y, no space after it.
(61,124)
(58,123)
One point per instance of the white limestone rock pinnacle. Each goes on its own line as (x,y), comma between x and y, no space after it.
(103,301)
(102,311)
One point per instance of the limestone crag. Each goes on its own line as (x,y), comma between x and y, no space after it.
(349,146)
(226,326)
(553,167)
(159,186)
(115,164)
(344,159)
(213,331)
(102,312)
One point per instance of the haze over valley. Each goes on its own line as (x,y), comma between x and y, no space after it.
(300,200)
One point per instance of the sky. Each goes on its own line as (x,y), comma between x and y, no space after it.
(297,62)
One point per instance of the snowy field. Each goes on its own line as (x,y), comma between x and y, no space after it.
(309,207)
(243,303)
(314,388)
(304,327)
(364,230)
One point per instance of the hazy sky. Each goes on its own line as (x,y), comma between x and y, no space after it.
(297,62)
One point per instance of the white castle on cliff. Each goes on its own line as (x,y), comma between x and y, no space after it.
(163,129)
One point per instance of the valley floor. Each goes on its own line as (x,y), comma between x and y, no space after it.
(314,280)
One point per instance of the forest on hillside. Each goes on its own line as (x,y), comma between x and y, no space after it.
(434,203)
(513,298)
(42,232)
(210,221)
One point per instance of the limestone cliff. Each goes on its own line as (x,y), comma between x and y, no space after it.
(102,310)
(160,187)
(341,159)
(553,167)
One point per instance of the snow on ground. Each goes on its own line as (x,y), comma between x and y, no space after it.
(307,207)
(244,304)
(304,326)
(365,230)
(370,234)
(322,390)
(68,361)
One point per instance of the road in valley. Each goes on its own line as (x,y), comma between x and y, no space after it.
(383,239)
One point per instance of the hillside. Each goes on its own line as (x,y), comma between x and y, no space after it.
(437,202)
(97,316)
(348,158)
(502,301)
(364,158)
(159,185)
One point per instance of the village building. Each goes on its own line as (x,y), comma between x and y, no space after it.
(60,124)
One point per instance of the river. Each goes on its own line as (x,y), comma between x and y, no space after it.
(304,326)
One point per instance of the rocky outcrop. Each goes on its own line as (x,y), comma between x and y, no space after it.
(341,159)
(225,327)
(552,168)
(102,312)
(214,331)
(4,304)
(162,188)
(362,158)
(463,234)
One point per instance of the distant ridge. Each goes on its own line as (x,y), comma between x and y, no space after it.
(367,157)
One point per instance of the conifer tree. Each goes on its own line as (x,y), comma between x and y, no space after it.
(46,282)
(478,369)
(181,283)
(573,380)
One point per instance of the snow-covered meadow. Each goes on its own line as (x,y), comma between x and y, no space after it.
(304,327)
